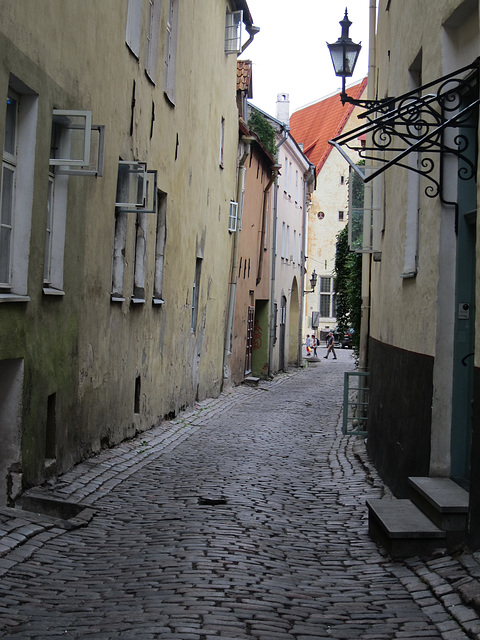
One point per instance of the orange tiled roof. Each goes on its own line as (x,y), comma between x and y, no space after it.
(315,125)
(244,76)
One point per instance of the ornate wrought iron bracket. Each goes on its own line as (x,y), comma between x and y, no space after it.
(428,123)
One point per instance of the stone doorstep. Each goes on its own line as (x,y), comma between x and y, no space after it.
(442,500)
(402,529)
(445,494)
(251,381)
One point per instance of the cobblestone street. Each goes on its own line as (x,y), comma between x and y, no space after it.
(242,518)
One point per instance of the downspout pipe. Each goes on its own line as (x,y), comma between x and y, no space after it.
(252,32)
(367,257)
(271,335)
(242,169)
(309,177)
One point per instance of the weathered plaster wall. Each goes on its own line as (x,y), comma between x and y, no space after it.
(82,347)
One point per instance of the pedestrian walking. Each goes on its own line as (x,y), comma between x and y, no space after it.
(309,344)
(314,345)
(330,346)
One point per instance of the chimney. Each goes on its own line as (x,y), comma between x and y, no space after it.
(283,107)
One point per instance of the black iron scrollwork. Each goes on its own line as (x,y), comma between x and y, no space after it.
(430,121)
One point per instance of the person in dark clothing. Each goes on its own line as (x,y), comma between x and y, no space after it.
(330,346)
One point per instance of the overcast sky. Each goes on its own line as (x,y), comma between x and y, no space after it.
(290,54)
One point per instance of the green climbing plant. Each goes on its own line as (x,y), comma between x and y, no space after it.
(264,130)
(348,287)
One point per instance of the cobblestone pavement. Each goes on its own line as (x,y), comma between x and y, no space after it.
(242,518)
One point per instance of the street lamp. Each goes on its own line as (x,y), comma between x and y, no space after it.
(313,282)
(344,53)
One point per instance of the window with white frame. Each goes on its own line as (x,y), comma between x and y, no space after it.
(232,219)
(171,50)
(136,187)
(233,32)
(136,193)
(161,238)
(299,248)
(285,187)
(294,248)
(284,239)
(341,216)
(16,185)
(134,26)
(152,39)
(76,148)
(296,186)
(287,243)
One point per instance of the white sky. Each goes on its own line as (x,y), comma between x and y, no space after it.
(290,54)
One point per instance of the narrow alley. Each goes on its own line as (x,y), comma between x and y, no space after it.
(242,518)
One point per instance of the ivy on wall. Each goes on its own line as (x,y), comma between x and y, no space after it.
(265,132)
(348,287)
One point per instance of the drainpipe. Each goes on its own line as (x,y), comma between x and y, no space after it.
(252,32)
(247,141)
(271,336)
(309,177)
(367,257)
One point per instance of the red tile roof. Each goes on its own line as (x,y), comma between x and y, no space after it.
(315,125)
(244,76)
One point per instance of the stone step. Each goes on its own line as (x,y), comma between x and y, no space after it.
(442,500)
(252,381)
(403,529)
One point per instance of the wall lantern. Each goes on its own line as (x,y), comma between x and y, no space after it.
(313,282)
(344,53)
(436,120)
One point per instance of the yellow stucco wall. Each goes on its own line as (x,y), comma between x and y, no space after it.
(82,347)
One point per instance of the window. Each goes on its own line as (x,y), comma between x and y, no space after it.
(134,26)
(286,175)
(119,247)
(16,185)
(196,293)
(160,247)
(294,248)
(140,259)
(76,145)
(341,215)
(76,148)
(171,51)
(327,296)
(9,171)
(296,186)
(232,220)
(152,39)
(287,245)
(284,240)
(136,188)
(233,32)
(342,179)
(222,141)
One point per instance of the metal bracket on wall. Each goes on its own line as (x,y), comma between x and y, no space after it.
(430,120)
